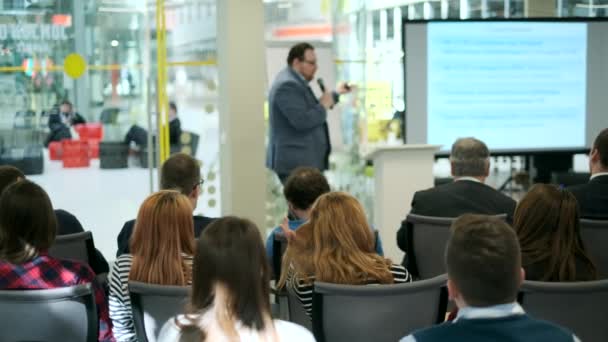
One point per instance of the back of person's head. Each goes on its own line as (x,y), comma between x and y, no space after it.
(483,260)
(601,145)
(180,172)
(230,258)
(173,106)
(27,222)
(546,221)
(337,244)
(297,52)
(163,233)
(9,175)
(469,158)
(303,186)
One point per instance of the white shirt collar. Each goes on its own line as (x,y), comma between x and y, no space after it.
(599,174)
(495,311)
(466,178)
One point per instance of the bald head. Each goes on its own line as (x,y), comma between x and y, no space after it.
(470,158)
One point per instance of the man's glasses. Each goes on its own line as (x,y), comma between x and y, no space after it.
(313,63)
(199,184)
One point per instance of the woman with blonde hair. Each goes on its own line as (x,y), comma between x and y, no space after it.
(230,298)
(336,246)
(547,224)
(161,250)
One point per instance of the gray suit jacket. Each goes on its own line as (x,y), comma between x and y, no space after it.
(299,134)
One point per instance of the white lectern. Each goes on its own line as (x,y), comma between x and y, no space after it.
(399,171)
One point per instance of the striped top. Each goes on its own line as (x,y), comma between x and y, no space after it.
(304,290)
(119,300)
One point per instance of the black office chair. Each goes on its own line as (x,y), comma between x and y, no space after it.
(153,305)
(61,314)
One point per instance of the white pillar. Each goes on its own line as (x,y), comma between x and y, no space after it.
(241,62)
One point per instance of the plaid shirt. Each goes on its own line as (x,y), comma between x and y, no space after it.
(45,272)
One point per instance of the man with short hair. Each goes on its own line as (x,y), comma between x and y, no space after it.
(470,163)
(483,261)
(66,222)
(182,173)
(298,134)
(593,197)
(68,115)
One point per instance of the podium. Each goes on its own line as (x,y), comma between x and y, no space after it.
(399,171)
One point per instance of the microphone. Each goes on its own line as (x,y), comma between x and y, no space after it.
(321,84)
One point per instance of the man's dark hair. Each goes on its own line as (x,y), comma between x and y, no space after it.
(304,185)
(483,260)
(173,106)
(601,144)
(297,52)
(9,175)
(28,224)
(180,172)
(66,102)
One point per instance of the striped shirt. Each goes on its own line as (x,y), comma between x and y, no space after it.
(120,302)
(304,290)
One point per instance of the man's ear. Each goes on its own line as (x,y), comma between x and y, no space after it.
(522,274)
(195,192)
(453,292)
(594,155)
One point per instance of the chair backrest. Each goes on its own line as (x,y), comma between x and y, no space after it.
(61,314)
(297,314)
(426,240)
(78,246)
(578,306)
(279,245)
(153,305)
(377,312)
(595,238)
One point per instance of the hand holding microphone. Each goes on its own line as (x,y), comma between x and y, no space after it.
(327,99)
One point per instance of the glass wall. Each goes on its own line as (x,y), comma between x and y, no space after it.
(97,175)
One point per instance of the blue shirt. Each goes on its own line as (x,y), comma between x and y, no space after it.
(295,224)
(496,311)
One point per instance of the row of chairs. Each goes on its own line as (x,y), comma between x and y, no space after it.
(340,312)
(428,236)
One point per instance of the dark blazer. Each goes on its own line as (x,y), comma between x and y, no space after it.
(298,134)
(592,198)
(457,198)
(69,224)
(200,222)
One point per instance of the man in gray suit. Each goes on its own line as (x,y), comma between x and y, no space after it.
(299,135)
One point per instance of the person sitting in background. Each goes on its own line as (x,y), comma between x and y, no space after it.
(593,197)
(69,116)
(336,246)
(230,298)
(468,194)
(547,224)
(58,130)
(27,228)
(66,222)
(162,247)
(182,173)
(139,135)
(483,261)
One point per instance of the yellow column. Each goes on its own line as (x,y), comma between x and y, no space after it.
(161,86)
(540,8)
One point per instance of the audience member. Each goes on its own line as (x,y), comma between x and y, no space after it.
(468,194)
(162,247)
(547,224)
(27,229)
(230,298)
(593,196)
(336,245)
(180,172)
(302,188)
(67,223)
(483,260)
